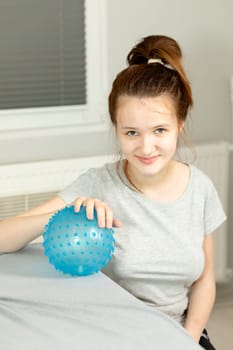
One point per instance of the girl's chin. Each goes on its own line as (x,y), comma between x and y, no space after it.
(148,169)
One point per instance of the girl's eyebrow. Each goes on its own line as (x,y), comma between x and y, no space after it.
(153,127)
(128,127)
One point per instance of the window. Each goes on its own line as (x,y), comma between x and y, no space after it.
(52,64)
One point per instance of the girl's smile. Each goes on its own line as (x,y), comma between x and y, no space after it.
(147,160)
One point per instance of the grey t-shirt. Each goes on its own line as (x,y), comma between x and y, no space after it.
(158,250)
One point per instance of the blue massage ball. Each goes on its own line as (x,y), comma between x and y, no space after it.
(76,245)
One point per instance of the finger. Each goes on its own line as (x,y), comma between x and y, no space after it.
(78,203)
(117,223)
(108,217)
(90,205)
(101,214)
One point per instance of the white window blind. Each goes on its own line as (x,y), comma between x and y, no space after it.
(52,66)
(42,61)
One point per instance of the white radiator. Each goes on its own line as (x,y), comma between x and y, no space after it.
(24,186)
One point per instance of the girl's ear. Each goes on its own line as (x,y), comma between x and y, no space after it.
(181,127)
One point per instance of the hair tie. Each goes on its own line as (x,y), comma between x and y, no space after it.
(158,60)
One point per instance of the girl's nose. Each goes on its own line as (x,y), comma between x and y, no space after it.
(147,145)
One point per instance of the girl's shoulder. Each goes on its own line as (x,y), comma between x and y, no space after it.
(200,179)
(199,173)
(108,172)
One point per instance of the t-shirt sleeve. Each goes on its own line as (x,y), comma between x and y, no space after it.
(214,212)
(82,186)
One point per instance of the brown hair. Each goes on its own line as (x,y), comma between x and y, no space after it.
(150,80)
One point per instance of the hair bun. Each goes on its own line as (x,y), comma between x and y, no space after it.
(155,46)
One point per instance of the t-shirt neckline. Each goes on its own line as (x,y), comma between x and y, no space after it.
(129,187)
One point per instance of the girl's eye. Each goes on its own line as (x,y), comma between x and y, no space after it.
(131,133)
(160,131)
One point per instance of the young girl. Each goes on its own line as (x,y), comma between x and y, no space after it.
(167,209)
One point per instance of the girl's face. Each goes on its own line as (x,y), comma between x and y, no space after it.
(147,130)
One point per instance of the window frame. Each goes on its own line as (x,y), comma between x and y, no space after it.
(65,119)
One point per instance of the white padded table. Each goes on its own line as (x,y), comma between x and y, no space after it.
(41,308)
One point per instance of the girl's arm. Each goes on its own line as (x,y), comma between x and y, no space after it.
(16,232)
(202,295)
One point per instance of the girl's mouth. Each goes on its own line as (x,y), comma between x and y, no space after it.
(147,160)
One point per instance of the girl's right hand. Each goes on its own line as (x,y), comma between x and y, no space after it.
(104,212)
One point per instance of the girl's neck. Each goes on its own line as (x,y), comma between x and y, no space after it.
(166,186)
(144,183)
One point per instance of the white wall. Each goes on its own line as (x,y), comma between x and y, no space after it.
(204,29)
